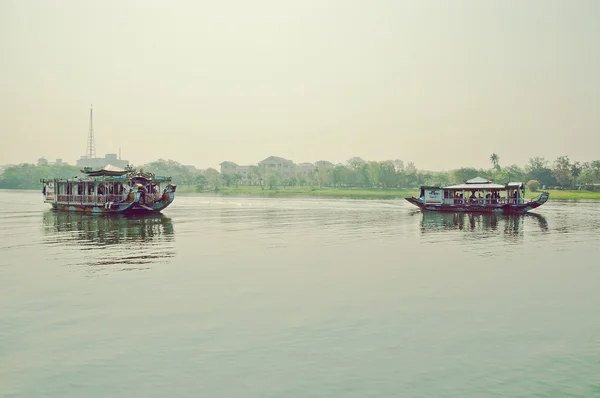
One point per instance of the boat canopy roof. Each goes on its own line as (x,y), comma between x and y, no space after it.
(111,173)
(108,170)
(478,180)
(489,186)
(479,183)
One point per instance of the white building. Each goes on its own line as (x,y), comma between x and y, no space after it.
(232,168)
(272,164)
(324,164)
(228,167)
(109,158)
(304,168)
(277,164)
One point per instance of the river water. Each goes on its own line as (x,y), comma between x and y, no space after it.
(252,297)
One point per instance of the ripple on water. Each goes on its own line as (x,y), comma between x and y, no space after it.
(299,297)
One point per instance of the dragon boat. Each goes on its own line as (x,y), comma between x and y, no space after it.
(110,190)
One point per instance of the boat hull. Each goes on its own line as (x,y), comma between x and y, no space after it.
(481,208)
(94,208)
(90,209)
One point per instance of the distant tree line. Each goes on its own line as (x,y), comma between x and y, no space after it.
(395,174)
(27,176)
(354,173)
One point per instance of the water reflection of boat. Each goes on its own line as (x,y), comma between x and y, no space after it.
(510,224)
(107,230)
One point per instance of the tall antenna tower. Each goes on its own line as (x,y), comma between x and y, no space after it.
(91,145)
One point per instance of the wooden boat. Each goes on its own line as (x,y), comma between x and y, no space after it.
(478,195)
(110,190)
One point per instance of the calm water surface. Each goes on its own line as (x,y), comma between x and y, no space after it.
(250,297)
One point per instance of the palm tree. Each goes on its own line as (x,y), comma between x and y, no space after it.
(575,172)
(495,160)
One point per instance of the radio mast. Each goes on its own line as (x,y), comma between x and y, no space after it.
(91,145)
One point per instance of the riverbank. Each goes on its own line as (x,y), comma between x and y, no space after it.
(304,191)
(350,193)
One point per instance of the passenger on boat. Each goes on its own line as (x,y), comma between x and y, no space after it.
(473,198)
(457,197)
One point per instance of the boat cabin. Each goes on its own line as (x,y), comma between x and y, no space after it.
(476,191)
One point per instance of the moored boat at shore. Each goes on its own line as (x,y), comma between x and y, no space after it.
(478,195)
(109,190)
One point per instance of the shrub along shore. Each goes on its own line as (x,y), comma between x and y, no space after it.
(360,193)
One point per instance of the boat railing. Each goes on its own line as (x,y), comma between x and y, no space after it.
(486,201)
(116,198)
(90,199)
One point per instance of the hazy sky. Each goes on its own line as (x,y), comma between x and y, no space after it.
(442,83)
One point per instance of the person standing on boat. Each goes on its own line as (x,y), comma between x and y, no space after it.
(473,198)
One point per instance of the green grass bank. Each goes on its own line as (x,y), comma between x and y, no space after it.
(361,193)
